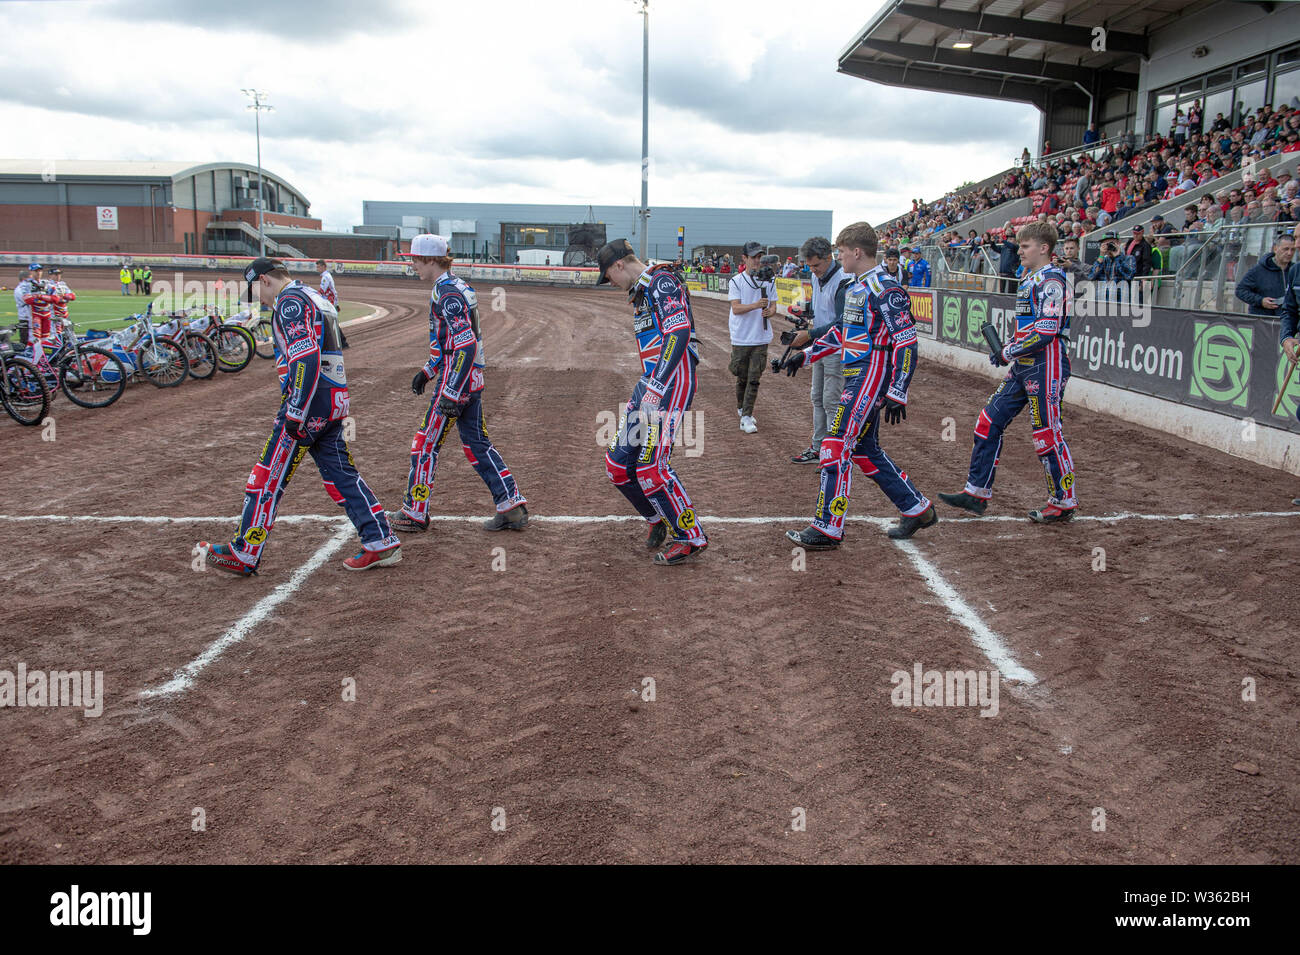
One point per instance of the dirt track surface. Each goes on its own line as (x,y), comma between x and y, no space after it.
(519,691)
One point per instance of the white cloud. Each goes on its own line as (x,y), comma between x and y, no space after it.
(507,101)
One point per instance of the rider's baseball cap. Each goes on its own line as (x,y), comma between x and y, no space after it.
(428,244)
(35,267)
(753,248)
(610,253)
(258,268)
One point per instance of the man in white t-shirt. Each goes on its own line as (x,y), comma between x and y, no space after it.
(753,303)
(331,294)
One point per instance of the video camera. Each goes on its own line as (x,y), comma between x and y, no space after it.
(800,323)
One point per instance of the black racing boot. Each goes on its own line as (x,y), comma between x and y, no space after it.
(401,521)
(813,539)
(515,519)
(907,526)
(657,535)
(967,502)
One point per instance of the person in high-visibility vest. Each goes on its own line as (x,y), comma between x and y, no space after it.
(124,276)
(148,280)
(138,273)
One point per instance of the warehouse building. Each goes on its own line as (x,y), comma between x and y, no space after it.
(500,232)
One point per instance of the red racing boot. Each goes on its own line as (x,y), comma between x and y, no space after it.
(223,557)
(1052,514)
(367,559)
(677,552)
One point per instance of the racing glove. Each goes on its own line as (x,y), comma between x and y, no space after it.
(297,429)
(653,396)
(419,381)
(894,411)
(448,407)
(794,363)
(999,359)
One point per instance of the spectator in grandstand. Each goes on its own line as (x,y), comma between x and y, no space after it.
(1008,258)
(1139,248)
(1025,157)
(1220,123)
(1090,135)
(1162,256)
(1112,269)
(918,273)
(1139,251)
(1263,287)
(1067,260)
(1159,226)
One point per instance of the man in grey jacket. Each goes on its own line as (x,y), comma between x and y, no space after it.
(829,282)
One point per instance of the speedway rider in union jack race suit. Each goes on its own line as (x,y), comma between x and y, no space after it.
(638,461)
(1040,367)
(456,371)
(877,339)
(314,402)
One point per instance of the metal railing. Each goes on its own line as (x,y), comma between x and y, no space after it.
(1201,272)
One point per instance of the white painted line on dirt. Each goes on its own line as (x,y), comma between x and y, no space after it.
(155,519)
(984,638)
(183,678)
(617,518)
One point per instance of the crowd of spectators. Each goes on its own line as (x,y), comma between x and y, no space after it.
(1088,190)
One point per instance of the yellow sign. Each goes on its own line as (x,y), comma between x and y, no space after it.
(790,292)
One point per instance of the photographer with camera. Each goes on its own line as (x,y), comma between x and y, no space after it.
(1112,269)
(829,285)
(753,302)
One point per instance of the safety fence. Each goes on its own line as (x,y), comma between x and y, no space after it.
(1223,363)
(528,274)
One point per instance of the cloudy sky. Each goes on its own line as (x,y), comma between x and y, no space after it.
(503,101)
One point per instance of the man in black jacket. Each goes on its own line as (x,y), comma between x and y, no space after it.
(1008,259)
(1264,286)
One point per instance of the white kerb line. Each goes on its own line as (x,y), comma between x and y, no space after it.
(988,641)
(622,518)
(183,678)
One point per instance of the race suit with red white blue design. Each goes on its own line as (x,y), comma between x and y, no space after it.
(1040,368)
(876,340)
(456,379)
(638,461)
(313,405)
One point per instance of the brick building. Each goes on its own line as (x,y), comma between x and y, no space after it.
(141,207)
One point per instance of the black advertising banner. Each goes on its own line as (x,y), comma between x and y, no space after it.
(1226,363)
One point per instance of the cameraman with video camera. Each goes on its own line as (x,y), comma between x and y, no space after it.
(829,285)
(753,302)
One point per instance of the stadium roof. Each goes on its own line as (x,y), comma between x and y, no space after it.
(124,169)
(1020,50)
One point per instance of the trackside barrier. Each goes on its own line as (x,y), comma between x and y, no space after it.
(1227,364)
(530,274)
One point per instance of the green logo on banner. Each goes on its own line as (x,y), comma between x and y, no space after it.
(952,318)
(977,311)
(1221,363)
(1291,400)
